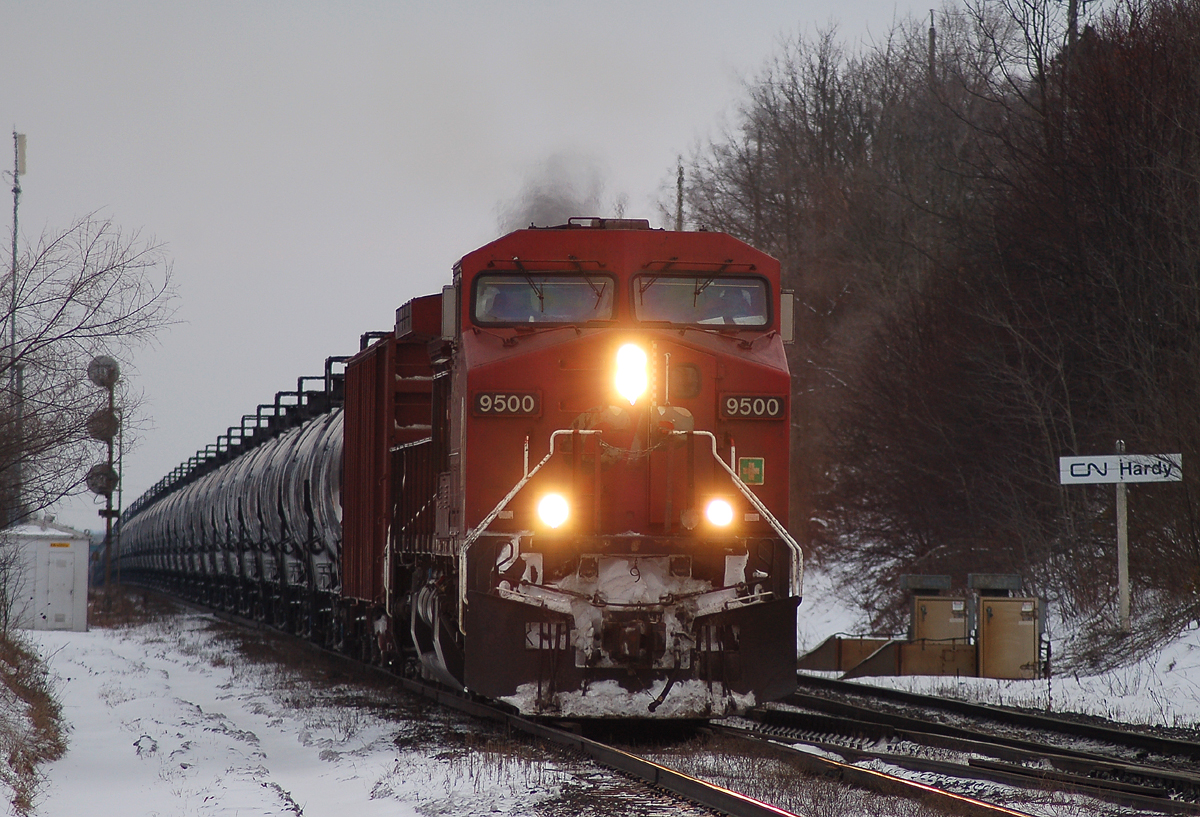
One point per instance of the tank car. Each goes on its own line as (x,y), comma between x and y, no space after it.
(561,483)
(252,523)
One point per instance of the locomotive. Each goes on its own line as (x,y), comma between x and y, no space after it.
(561,483)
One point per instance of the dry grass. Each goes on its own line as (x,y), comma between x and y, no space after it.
(31,727)
(127,607)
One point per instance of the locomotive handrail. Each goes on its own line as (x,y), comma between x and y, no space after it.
(793,545)
(474,535)
(476,532)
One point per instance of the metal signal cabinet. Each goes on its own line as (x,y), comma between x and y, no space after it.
(939,618)
(1009,638)
(49,591)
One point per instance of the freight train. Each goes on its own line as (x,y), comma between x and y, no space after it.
(561,483)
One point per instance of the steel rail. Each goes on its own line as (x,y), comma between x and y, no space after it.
(708,795)
(1136,740)
(1128,795)
(871,779)
(1073,771)
(1004,749)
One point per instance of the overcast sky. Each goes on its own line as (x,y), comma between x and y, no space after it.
(311,166)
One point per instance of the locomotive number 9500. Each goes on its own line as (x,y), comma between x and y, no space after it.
(752,406)
(508,404)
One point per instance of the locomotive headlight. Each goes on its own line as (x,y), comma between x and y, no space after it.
(719,512)
(553,510)
(631,372)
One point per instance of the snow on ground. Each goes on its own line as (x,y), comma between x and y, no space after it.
(167,719)
(1161,690)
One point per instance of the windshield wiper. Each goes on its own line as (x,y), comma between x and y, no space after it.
(598,291)
(537,290)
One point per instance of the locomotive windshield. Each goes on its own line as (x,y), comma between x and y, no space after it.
(701,300)
(542,297)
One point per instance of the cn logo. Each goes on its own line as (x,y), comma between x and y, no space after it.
(1086,469)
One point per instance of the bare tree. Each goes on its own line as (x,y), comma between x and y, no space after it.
(993,230)
(1061,316)
(13,581)
(87,290)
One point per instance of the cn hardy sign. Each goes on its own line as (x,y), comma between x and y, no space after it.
(1120,468)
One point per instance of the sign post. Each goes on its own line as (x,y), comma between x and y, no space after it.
(1122,469)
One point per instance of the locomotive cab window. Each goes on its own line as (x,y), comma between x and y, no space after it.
(513,299)
(701,300)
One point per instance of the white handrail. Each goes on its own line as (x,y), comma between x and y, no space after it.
(793,545)
(478,530)
(796,552)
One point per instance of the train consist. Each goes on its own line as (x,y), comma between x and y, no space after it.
(562,483)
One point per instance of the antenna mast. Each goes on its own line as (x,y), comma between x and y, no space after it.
(14,373)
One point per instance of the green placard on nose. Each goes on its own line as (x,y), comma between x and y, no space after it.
(750,470)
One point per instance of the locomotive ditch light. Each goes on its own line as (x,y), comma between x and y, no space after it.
(719,513)
(553,510)
(631,380)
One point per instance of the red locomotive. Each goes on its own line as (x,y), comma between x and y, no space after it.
(564,483)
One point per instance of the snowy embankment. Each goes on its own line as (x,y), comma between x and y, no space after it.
(1162,689)
(172,718)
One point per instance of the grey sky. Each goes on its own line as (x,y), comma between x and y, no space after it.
(311,166)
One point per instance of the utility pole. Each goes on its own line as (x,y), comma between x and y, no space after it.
(15,384)
(1072,26)
(933,48)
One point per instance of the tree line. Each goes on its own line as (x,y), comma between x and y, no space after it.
(992,224)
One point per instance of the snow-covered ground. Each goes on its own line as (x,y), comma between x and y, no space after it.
(171,718)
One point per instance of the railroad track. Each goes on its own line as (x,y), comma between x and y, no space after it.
(659,776)
(1137,743)
(718,798)
(661,779)
(957,741)
(776,730)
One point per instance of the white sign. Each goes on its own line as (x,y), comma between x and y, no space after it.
(1120,468)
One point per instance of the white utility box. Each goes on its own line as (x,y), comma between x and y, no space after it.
(44,570)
